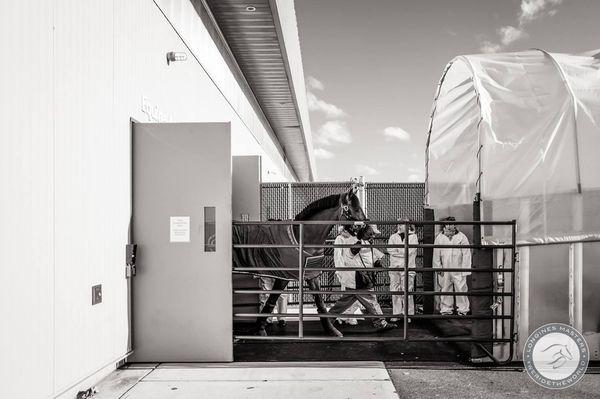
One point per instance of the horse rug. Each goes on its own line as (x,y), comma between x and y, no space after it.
(272,257)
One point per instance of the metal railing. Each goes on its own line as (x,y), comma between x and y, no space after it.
(301,246)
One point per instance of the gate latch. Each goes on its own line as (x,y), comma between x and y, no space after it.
(130,252)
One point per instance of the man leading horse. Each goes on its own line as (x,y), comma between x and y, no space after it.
(338,207)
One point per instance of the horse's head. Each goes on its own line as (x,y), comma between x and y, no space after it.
(350,208)
(336,207)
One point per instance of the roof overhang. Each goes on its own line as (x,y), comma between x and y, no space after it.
(259,39)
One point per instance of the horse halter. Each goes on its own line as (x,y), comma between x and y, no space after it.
(345,212)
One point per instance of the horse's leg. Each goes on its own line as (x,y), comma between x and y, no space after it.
(315,285)
(261,322)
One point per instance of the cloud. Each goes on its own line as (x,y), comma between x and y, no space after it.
(414,178)
(318,105)
(415,170)
(322,153)
(366,170)
(314,83)
(333,132)
(394,132)
(488,47)
(510,34)
(530,10)
(534,9)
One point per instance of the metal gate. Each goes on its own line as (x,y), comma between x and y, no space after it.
(484,342)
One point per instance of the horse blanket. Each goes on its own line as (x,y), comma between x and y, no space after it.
(271,257)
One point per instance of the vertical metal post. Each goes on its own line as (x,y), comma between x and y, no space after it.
(300,282)
(571,285)
(512,285)
(405,281)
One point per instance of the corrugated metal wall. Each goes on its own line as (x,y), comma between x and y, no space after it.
(384,201)
(74,75)
(26,200)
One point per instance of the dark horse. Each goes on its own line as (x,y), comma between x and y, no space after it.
(345,206)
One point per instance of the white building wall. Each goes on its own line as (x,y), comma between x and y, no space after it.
(26,200)
(75,73)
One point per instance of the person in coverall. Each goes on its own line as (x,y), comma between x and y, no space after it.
(345,236)
(366,258)
(397,262)
(452,258)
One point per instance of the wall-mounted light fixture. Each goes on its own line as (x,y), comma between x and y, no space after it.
(173,56)
(250,8)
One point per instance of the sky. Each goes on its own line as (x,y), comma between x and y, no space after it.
(372,67)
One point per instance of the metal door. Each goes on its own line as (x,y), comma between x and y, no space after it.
(182,227)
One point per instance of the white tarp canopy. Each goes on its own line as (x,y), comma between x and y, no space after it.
(523,130)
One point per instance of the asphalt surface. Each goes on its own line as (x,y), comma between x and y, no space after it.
(488,384)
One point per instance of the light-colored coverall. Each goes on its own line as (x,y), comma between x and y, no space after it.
(397,277)
(452,258)
(344,277)
(369,301)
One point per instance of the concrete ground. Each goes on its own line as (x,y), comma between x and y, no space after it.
(249,380)
(329,380)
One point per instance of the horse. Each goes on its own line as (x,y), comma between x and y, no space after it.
(337,207)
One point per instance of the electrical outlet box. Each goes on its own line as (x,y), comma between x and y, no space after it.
(96,294)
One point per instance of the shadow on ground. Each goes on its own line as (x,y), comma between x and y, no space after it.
(265,351)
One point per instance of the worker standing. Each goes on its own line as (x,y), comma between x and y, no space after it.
(397,262)
(452,258)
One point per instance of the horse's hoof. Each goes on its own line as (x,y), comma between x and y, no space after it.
(262,332)
(388,326)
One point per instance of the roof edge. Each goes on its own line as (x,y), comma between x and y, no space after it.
(284,16)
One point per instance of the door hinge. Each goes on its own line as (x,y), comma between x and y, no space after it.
(130,254)
(129,271)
